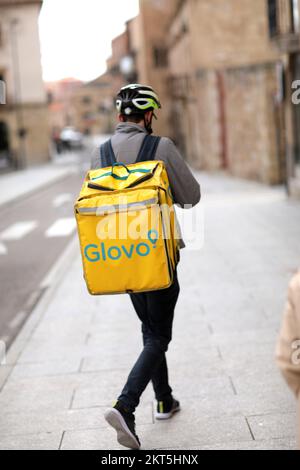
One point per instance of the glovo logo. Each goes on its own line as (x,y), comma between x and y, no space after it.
(94,253)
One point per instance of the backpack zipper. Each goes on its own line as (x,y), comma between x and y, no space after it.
(132,185)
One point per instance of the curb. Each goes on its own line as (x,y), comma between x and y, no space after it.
(49,285)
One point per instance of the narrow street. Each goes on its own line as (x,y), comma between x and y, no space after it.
(74,361)
(36,225)
(33,233)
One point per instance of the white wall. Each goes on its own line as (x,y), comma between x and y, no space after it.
(27,33)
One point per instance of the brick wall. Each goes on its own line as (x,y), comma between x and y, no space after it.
(36,121)
(251,123)
(223,50)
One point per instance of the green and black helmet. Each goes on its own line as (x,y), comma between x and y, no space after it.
(136,99)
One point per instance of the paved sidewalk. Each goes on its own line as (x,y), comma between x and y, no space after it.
(74,354)
(17,184)
(20,183)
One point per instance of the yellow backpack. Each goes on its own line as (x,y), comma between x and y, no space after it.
(127,224)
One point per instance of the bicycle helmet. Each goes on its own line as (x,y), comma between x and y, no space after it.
(136,99)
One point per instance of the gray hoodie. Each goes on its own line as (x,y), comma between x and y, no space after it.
(126,143)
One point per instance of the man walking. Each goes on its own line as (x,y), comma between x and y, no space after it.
(135,105)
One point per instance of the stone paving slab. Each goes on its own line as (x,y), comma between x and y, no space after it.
(275,444)
(166,435)
(273,426)
(41,441)
(20,183)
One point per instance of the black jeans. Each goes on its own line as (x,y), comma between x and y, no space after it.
(156,311)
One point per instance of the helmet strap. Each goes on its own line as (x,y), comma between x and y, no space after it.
(148,125)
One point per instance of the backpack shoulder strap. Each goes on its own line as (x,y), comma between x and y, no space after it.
(148,148)
(107,154)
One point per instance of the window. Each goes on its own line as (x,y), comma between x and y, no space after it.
(86,99)
(284,17)
(102,109)
(273,18)
(87,116)
(295,20)
(160,57)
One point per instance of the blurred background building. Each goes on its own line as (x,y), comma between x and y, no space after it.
(284,29)
(225,72)
(24,126)
(59,94)
(223,75)
(217,74)
(92,107)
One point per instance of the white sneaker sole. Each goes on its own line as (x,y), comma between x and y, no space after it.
(166,415)
(124,435)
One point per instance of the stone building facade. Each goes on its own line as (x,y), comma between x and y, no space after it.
(120,51)
(222,62)
(220,80)
(24,125)
(152,61)
(60,94)
(91,106)
(218,77)
(140,54)
(284,31)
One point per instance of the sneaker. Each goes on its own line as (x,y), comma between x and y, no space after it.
(124,423)
(166,409)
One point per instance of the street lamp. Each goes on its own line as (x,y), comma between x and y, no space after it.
(21,131)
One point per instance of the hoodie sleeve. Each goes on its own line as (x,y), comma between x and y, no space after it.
(184,186)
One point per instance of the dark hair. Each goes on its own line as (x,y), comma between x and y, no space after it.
(136,118)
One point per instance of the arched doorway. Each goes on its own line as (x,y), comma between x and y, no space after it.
(4,145)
